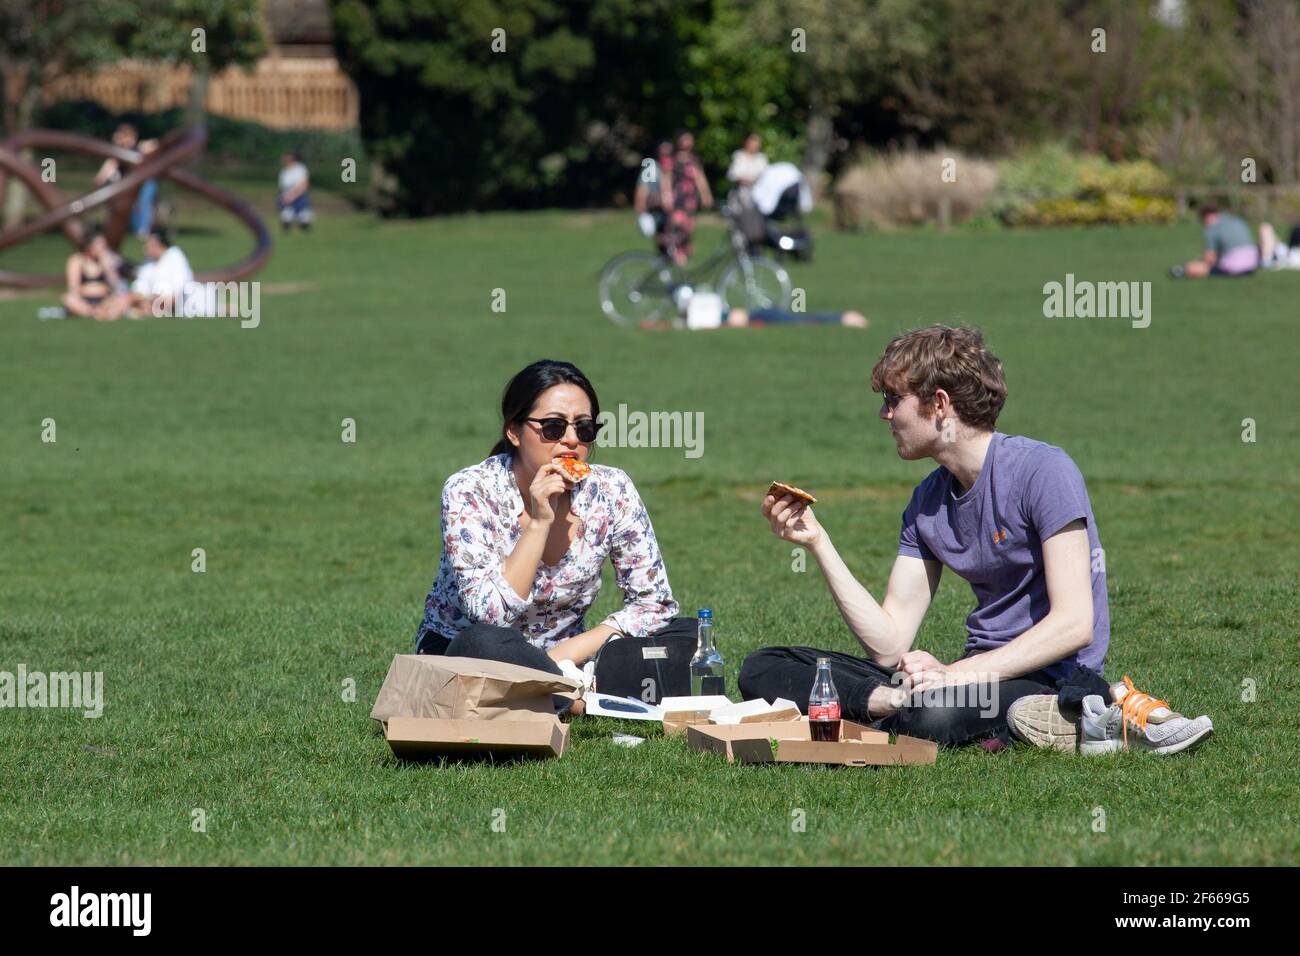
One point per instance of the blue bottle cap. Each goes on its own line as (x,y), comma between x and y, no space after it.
(706,612)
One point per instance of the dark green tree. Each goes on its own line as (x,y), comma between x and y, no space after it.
(208,35)
(492,103)
(41,40)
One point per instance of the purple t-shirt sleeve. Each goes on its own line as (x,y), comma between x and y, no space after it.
(909,540)
(1054,493)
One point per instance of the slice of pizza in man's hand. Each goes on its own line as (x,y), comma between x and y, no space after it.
(779,490)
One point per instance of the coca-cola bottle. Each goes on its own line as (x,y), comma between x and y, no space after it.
(824,704)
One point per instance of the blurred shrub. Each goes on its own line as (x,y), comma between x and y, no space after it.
(908,189)
(1052,185)
(1048,171)
(1107,209)
(1188,148)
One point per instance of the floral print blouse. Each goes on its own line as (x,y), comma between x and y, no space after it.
(481,507)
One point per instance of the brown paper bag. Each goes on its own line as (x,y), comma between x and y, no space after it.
(467,688)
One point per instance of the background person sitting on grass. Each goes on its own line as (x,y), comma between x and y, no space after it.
(523,547)
(1010,515)
(292,197)
(1230,248)
(161,284)
(93,281)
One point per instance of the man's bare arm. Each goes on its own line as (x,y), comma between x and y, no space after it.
(886,630)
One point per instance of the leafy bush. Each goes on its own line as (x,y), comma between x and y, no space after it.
(909,189)
(1107,209)
(1053,186)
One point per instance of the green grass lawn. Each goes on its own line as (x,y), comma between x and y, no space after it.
(223,689)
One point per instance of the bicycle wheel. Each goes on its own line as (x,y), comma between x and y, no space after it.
(755,283)
(635,287)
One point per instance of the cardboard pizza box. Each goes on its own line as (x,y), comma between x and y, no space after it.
(435,706)
(756,711)
(790,741)
(682,712)
(415,738)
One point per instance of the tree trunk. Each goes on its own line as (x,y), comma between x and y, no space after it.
(817,149)
(196,110)
(6,108)
(15,200)
(1286,77)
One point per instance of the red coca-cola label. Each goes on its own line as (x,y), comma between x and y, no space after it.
(824,712)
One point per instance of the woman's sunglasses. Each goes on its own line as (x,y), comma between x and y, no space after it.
(554,429)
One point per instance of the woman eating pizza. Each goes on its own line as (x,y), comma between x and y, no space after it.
(526,532)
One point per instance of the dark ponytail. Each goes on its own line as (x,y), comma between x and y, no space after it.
(526,387)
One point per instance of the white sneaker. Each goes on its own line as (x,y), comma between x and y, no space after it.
(1037,720)
(1137,721)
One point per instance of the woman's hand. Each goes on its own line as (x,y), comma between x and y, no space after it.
(792,520)
(548,484)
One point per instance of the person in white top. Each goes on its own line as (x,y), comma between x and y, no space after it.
(747,164)
(162,283)
(772,184)
(292,197)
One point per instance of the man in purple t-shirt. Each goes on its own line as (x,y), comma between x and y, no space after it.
(1009,515)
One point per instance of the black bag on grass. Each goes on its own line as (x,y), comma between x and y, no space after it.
(648,668)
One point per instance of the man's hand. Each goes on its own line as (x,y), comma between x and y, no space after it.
(923,671)
(792,520)
(926,672)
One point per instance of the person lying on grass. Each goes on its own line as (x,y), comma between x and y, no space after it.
(523,545)
(1008,514)
(739,318)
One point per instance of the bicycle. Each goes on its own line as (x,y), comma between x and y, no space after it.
(640,286)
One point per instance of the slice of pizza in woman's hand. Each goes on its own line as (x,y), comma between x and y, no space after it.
(574,468)
(779,490)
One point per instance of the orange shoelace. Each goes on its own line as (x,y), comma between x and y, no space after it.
(1137,707)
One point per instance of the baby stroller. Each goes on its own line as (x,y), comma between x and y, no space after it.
(783,228)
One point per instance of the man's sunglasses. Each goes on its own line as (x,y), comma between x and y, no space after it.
(892,401)
(554,429)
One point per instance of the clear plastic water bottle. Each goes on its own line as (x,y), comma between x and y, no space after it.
(824,704)
(707,664)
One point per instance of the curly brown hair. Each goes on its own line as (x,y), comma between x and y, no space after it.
(940,357)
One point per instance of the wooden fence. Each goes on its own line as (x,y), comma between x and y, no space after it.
(280,92)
